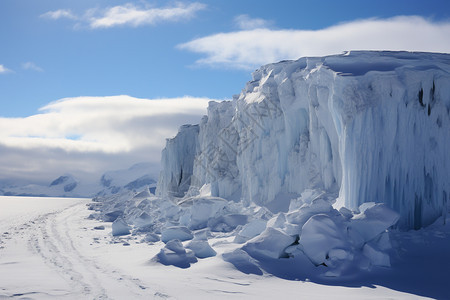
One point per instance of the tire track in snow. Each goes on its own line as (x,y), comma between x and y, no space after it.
(134,286)
(52,238)
(48,246)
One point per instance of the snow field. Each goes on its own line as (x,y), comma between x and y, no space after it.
(58,253)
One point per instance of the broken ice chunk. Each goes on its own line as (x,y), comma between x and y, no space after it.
(152,238)
(175,254)
(181,233)
(376,257)
(271,243)
(320,234)
(373,221)
(250,230)
(201,248)
(120,227)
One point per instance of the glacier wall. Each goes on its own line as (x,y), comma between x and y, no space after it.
(178,161)
(365,126)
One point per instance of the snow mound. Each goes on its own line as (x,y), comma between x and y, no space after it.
(242,261)
(175,254)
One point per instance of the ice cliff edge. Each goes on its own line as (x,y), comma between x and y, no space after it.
(368,126)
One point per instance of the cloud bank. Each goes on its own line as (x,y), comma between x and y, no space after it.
(248,49)
(86,136)
(128,14)
(4,70)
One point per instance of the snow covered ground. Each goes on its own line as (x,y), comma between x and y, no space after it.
(49,249)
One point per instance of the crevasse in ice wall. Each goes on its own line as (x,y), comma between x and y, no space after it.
(373,126)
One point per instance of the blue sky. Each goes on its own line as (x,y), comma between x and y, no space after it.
(72,60)
(88,50)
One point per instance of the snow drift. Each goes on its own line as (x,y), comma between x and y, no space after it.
(370,126)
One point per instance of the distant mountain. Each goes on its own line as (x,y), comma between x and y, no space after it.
(63,186)
(136,178)
(67,181)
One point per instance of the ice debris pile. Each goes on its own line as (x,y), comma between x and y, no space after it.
(314,162)
(312,228)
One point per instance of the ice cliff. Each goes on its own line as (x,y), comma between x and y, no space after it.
(363,126)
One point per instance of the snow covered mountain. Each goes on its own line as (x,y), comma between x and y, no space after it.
(63,186)
(367,126)
(136,178)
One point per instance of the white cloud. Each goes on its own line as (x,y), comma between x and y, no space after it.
(31,66)
(59,14)
(129,14)
(4,69)
(246,23)
(89,135)
(251,48)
